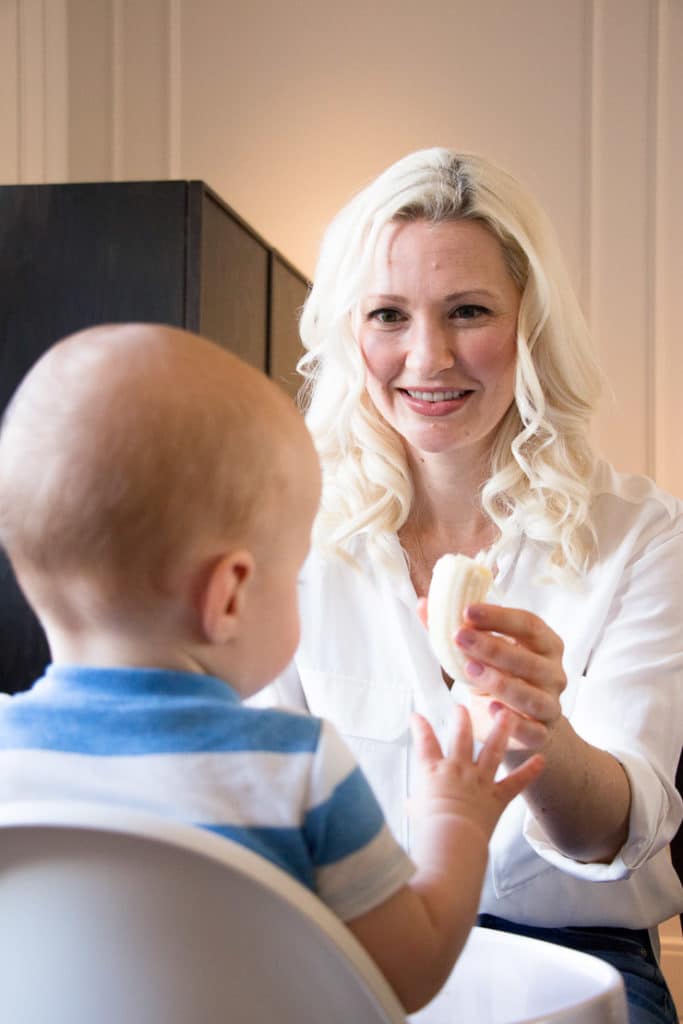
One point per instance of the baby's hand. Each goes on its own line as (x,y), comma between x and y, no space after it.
(457,785)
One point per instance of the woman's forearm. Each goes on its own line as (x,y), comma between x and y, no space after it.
(582,800)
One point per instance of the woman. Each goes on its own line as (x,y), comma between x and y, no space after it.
(450,388)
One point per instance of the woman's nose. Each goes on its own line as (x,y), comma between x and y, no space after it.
(430,348)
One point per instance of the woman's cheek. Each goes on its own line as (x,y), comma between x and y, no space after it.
(488,354)
(380,358)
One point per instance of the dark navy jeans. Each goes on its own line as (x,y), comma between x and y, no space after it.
(647,994)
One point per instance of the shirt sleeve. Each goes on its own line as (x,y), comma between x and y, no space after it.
(358,863)
(630,703)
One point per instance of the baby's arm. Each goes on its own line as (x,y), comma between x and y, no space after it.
(416,936)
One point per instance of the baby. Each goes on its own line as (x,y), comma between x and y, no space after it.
(156,502)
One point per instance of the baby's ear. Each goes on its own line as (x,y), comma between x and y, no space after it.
(224,595)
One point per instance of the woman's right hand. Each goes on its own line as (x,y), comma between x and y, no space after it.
(515,661)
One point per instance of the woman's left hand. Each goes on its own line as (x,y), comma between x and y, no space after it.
(515,659)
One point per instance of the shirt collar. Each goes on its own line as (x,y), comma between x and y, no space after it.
(115,683)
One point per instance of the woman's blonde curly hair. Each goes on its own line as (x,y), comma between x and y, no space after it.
(542,462)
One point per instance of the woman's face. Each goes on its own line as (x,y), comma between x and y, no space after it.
(437,326)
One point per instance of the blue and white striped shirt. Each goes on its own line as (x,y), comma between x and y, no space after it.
(183,745)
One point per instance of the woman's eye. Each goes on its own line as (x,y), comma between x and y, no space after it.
(469,312)
(385,316)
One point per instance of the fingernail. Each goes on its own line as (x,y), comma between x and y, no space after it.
(473,613)
(474,668)
(466,637)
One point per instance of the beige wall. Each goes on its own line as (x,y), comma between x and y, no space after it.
(287,107)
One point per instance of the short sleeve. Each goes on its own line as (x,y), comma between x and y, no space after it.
(358,863)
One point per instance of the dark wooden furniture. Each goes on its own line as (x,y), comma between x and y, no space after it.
(158,251)
(677,841)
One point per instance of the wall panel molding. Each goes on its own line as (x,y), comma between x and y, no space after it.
(622,224)
(586,286)
(90,89)
(31,48)
(651,268)
(174,88)
(33,93)
(117,88)
(9,92)
(668,294)
(140,82)
(56,105)
(634,299)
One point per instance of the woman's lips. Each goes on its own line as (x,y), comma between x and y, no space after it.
(436,402)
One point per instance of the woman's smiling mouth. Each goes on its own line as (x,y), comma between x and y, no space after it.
(439,402)
(434,396)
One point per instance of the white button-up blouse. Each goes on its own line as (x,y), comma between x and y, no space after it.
(365,662)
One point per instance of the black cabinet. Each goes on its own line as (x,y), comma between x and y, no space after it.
(167,252)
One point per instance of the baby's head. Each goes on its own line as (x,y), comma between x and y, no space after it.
(156,501)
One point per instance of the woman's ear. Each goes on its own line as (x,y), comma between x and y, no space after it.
(224,596)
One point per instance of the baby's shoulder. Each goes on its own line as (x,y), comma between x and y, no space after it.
(280,730)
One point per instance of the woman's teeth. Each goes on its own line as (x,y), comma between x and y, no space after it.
(435,396)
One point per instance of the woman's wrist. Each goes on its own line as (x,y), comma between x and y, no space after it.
(582,800)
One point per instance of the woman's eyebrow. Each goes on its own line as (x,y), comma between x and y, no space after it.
(466,293)
(451,297)
(383,297)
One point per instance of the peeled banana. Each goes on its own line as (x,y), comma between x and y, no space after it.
(457,581)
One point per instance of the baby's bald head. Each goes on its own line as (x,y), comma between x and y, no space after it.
(126,446)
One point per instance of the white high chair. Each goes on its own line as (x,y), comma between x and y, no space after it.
(109,916)
(502,978)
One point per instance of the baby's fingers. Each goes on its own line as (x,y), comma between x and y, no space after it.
(460,738)
(495,745)
(527,772)
(427,746)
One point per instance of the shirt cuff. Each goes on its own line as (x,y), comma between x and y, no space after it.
(654,818)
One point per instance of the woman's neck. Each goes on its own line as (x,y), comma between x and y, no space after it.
(446,514)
